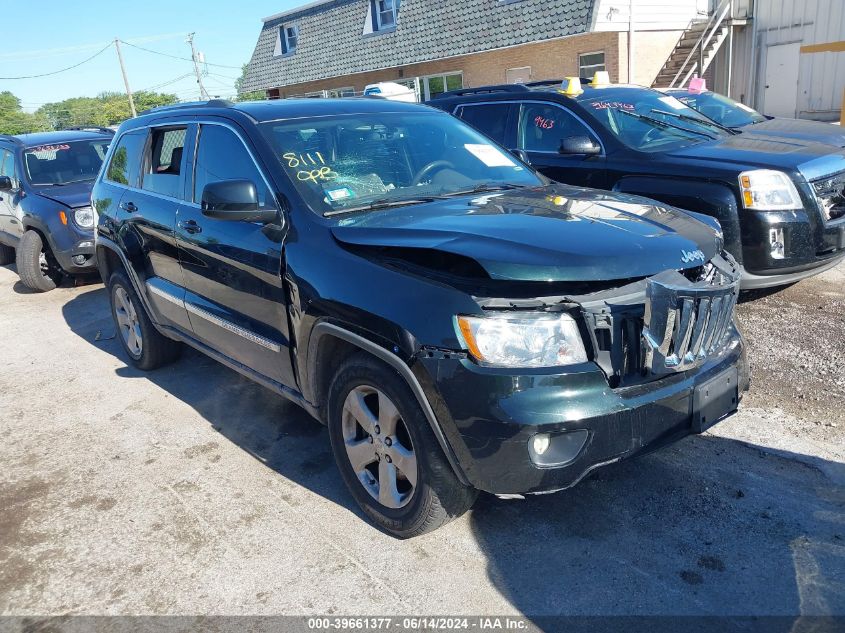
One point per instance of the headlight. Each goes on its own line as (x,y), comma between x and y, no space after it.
(84,217)
(768,190)
(536,340)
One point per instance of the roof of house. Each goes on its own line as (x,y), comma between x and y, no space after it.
(332,41)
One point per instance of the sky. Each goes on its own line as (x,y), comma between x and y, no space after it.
(53,35)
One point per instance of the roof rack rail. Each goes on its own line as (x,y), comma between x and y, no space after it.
(88,128)
(545,82)
(483,89)
(11,138)
(211,103)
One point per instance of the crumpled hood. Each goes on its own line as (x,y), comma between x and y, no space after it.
(812,131)
(77,194)
(553,233)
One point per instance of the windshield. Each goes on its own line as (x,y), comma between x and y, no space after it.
(721,109)
(63,163)
(647,120)
(355,161)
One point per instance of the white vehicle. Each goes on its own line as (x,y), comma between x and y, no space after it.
(393,91)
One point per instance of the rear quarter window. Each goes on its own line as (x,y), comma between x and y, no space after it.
(488,118)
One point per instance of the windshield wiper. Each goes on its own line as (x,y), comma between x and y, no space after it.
(484,188)
(386,203)
(665,124)
(382,203)
(61,184)
(692,119)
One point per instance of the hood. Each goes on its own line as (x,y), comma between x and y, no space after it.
(761,151)
(552,233)
(77,194)
(812,131)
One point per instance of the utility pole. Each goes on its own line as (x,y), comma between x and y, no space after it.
(203,93)
(125,79)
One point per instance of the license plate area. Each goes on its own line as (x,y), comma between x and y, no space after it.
(714,399)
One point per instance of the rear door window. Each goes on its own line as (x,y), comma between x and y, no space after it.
(542,126)
(163,161)
(125,163)
(488,118)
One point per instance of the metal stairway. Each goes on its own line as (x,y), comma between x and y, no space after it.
(696,49)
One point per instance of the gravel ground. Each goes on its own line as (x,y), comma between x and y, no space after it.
(796,338)
(191,490)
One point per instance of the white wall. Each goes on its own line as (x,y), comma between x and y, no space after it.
(820,77)
(649,15)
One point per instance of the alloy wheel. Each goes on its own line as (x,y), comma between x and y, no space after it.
(127,321)
(43,264)
(379,446)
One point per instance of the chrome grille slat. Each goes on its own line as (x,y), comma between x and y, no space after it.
(684,332)
(713,322)
(724,321)
(703,317)
(687,321)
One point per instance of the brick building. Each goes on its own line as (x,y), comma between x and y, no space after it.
(337,47)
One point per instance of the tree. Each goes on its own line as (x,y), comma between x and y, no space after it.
(253,95)
(106,109)
(13,120)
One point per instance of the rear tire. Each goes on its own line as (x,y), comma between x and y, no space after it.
(400,477)
(146,347)
(7,255)
(36,265)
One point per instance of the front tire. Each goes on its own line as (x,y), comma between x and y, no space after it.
(146,347)
(36,265)
(7,255)
(387,453)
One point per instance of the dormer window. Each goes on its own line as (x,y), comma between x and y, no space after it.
(385,14)
(287,40)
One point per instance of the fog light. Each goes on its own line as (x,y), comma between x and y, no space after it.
(85,245)
(553,450)
(79,259)
(777,243)
(541,443)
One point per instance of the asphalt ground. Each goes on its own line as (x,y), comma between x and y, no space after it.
(191,490)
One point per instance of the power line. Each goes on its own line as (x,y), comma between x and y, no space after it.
(56,72)
(184,59)
(166,83)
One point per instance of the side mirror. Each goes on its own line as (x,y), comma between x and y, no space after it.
(6,183)
(522,155)
(235,200)
(579,145)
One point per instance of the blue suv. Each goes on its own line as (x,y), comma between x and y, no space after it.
(46,217)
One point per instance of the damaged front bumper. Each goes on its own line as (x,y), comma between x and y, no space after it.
(667,361)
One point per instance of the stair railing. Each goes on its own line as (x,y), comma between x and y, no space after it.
(713,25)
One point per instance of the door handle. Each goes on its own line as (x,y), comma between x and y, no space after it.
(129,207)
(189,226)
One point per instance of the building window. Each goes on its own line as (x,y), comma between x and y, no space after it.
(590,63)
(287,40)
(434,85)
(520,75)
(385,13)
(336,93)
